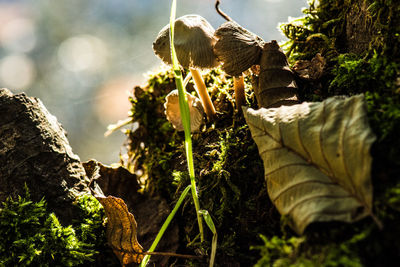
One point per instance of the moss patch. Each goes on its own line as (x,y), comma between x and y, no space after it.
(31,236)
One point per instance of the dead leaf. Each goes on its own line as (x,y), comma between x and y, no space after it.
(150,210)
(276,82)
(316,159)
(113,180)
(310,69)
(121,230)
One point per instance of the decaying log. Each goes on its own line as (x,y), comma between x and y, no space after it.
(34,151)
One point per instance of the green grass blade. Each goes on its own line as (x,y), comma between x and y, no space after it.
(165,225)
(185,115)
(210,224)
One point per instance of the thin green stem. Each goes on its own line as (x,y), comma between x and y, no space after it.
(165,225)
(185,115)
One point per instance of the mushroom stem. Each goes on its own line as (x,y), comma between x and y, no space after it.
(203,94)
(240,98)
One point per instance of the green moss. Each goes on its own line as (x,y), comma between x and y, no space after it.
(322,29)
(90,226)
(31,236)
(152,146)
(354,74)
(319,31)
(279,252)
(354,249)
(393,197)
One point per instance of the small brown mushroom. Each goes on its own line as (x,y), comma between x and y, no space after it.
(193,41)
(238,49)
(173,112)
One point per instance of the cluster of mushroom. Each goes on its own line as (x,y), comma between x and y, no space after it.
(195,41)
(198,46)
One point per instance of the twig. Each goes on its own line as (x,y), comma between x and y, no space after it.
(156,253)
(171,254)
(223,14)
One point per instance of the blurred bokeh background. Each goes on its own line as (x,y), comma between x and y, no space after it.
(82,58)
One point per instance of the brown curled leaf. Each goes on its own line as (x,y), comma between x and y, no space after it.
(310,69)
(276,81)
(121,230)
(150,211)
(113,180)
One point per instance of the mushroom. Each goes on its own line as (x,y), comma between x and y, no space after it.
(238,49)
(173,112)
(240,96)
(194,41)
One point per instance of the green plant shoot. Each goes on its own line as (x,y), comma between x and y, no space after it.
(211,226)
(185,115)
(165,225)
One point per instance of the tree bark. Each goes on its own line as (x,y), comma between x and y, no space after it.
(34,151)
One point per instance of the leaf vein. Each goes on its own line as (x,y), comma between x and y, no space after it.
(331,212)
(314,197)
(301,140)
(263,130)
(331,173)
(287,165)
(270,150)
(320,168)
(342,148)
(301,183)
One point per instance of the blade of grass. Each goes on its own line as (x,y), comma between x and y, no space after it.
(165,225)
(185,115)
(211,226)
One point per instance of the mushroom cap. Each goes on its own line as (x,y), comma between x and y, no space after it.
(237,48)
(193,39)
(173,112)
